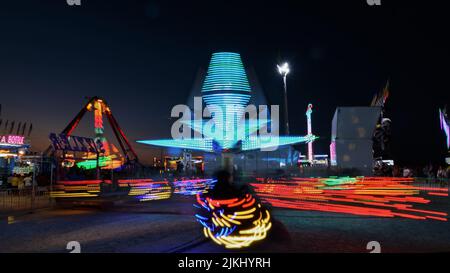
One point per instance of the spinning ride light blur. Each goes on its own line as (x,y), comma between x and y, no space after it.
(147,189)
(193,186)
(365,196)
(77,189)
(233,223)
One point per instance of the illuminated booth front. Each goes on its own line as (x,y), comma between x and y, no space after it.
(12,147)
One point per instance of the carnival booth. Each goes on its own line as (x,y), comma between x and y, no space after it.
(12,148)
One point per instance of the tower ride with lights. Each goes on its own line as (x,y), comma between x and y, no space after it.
(310,144)
(98,123)
(227,92)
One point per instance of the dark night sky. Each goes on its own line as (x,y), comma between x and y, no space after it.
(143,56)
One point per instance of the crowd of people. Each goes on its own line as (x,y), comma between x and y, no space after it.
(430,171)
(18,181)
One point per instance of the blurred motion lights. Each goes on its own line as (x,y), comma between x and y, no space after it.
(366,196)
(233,223)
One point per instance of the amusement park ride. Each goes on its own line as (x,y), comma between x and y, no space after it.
(233,218)
(110,158)
(98,154)
(227,131)
(93,153)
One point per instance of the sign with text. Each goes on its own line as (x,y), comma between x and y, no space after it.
(63,142)
(12,140)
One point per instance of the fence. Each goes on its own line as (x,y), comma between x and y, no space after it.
(23,199)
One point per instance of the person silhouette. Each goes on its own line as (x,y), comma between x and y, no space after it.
(224,188)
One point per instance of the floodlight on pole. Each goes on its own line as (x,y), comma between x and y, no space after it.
(284,71)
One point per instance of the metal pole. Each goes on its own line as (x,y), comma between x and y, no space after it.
(286,118)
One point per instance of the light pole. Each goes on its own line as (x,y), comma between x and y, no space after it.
(284,70)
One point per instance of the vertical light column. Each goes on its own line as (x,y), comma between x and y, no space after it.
(310,144)
(98,118)
(98,124)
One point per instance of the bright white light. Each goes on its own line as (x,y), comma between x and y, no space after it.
(284,69)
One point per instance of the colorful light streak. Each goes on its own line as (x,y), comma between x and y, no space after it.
(153,191)
(77,189)
(134,182)
(147,189)
(193,186)
(104,162)
(364,196)
(233,223)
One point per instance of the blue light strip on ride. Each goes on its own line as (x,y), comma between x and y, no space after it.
(226,72)
(261,142)
(201,144)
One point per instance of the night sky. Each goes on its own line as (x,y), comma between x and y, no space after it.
(143,57)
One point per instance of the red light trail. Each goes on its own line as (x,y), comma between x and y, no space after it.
(365,196)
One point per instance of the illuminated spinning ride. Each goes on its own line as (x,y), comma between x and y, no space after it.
(226,92)
(233,223)
(111,158)
(148,189)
